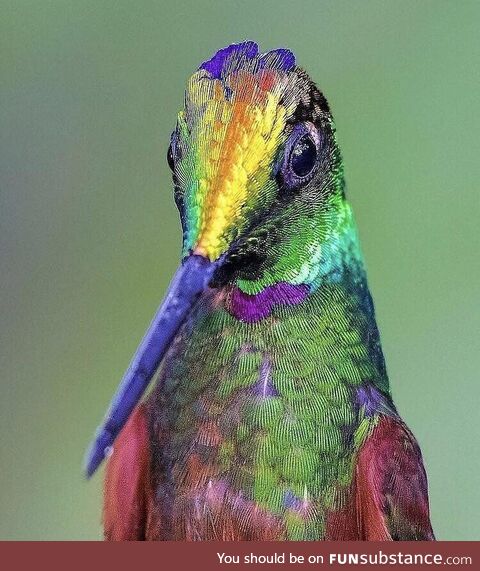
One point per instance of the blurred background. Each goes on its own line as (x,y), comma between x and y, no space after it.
(89,234)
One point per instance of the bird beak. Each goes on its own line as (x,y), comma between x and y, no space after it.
(191,278)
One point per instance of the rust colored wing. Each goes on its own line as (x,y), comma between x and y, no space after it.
(128,494)
(388,499)
(391,486)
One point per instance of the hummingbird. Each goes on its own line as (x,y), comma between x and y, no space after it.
(271,417)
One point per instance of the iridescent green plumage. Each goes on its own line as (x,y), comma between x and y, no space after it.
(301,440)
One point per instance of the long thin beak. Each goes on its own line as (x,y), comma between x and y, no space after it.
(190,280)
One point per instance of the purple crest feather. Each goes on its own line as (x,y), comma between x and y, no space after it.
(235,56)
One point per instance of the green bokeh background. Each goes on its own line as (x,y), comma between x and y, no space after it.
(90,235)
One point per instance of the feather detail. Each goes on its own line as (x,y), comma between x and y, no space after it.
(129,511)
(392,498)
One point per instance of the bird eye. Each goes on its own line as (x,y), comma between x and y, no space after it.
(300,159)
(303,156)
(170,159)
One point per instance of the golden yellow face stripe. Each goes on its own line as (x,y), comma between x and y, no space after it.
(232,147)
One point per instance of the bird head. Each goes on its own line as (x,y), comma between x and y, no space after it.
(256,167)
